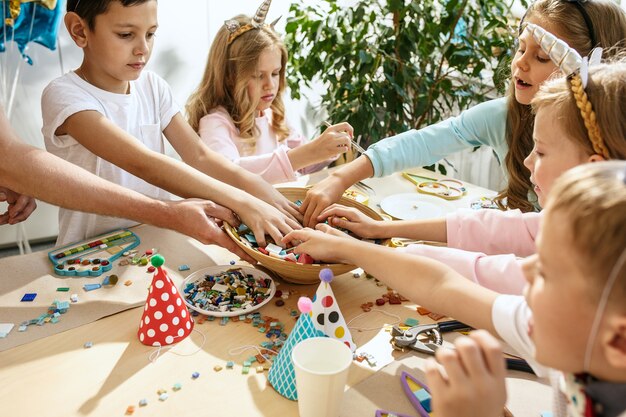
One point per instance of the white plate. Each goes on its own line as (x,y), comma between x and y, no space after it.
(212,270)
(411,206)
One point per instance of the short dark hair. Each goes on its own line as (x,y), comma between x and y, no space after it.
(89,9)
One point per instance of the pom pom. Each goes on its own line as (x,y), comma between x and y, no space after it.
(304,304)
(326,275)
(157,261)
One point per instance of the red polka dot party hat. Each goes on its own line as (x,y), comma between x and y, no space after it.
(165,319)
(325,312)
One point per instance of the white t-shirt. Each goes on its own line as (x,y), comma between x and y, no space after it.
(510,315)
(144,113)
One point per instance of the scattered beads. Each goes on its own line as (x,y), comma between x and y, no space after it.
(195,375)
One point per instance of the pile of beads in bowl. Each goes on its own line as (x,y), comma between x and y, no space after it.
(227,291)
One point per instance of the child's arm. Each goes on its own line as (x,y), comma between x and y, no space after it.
(196,154)
(219,133)
(469,380)
(426,282)
(105,139)
(355,221)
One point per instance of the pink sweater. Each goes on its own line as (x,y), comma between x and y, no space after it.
(484,245)
(270,160)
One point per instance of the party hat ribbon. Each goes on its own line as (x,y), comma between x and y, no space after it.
(165,317)
(282,375)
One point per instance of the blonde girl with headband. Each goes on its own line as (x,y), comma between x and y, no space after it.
(504,124)
(570,325)
(238,107)
(573,125)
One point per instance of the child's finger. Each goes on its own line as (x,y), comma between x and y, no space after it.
(450,360)
(436,376)
(296,235)
(470,355)
(4,218)
(491,351)
(338,210)
(343,126)
(329,230)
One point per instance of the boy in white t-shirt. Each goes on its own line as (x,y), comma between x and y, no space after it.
(110,117)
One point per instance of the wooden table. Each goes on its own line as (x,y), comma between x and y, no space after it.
(57,376)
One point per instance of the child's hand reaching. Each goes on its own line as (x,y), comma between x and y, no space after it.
(319,243)
(335,140)
(469,380)
(353,220)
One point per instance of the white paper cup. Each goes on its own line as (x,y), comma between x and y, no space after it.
(321,366)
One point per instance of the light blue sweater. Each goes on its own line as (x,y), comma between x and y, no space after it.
(483,124)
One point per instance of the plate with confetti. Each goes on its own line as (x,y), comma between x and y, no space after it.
(227,291)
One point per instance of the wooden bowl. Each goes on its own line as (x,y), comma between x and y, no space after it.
(296,272)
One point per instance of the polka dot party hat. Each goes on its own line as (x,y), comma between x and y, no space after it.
(282,375)
(326,314)
(165,319)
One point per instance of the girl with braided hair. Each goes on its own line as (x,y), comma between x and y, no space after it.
(504,124)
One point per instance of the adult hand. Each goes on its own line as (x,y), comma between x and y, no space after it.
(321,243)
(469,380)
(201,219)
(20,206)
(351,219)
(319,197)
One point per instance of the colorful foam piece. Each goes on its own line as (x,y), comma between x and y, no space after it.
(165,318)
(417,392)
(326,314)
(282,375)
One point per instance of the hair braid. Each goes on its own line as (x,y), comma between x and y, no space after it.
(588,115)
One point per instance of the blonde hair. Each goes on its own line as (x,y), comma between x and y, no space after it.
(609,25)
(225,80)
(606,90)
(594,198)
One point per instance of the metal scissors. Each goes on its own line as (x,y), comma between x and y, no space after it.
(447,188)
(426,338)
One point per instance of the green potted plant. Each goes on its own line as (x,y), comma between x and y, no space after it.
(393,65)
